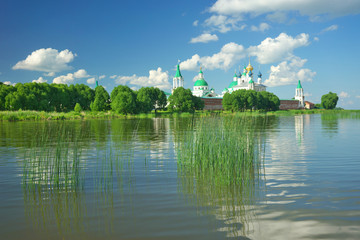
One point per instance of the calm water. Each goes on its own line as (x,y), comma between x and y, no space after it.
(129,185)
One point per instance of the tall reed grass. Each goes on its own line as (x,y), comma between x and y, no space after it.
(220,165)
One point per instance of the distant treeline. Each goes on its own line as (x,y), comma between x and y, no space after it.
(241,100)
(64,98)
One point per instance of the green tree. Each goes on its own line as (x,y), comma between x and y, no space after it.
(123,100)
(146,99)
(101,101)
(181,100)
(77,107)
(329,101)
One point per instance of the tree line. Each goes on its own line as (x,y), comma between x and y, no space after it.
(241,100)
(123,100)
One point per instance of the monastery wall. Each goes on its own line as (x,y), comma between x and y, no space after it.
(289,104)
(213,103)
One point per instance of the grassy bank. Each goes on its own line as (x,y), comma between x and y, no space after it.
(41,116)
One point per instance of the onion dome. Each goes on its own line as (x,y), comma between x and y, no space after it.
(249,67)
(225,90)
(259,74)
(251,81)
(232,84)
(201,81)
(299,85)
(250,73)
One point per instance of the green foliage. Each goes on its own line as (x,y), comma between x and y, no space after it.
(329,101)
(77,107)
(45,97)
(102,100)
(182,100)
(123,100)
(241,100)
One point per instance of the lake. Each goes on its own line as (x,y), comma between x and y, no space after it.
(120,179)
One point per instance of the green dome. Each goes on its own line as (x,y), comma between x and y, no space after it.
(233,83)
(251,81)
(200,82)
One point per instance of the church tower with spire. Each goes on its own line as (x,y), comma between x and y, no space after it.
(178,80)
(299,95)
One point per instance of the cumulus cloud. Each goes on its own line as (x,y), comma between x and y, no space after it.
(261,28)
(9,83)
(316,39)
(195,23)
(276,49)
(204,38)
(70,77)
(81,73)
(358,96)
(46,60)
(229,54)
(39,80)
(333,8)
(289,72)
(91,80)
(157,78)
(102,77)
(344,95)
(223,23)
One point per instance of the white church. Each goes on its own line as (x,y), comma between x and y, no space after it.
(242,81)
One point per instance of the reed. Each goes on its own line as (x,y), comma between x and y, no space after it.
(220,165)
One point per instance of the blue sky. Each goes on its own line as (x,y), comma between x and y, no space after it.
(139,43)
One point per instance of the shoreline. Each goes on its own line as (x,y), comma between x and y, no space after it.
(27,115)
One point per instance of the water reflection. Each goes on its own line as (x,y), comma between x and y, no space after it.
(226,180)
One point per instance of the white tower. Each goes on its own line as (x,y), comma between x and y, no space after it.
(178,80)
(299,95)
(259,78)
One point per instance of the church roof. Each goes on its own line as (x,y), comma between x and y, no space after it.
(233,83)
(299,85)
(178,73)
(200,82)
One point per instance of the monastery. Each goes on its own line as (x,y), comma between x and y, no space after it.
(244,80)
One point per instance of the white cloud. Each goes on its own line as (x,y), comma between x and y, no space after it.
(39,80)
(204,38)
(46,60)
(307,94)
(289,72)
(223,23)
(261,28)
(229,54)
(344,95)
(358,96)
(70,77)
(332,8)
(102,77)
(64,79)
(276,49)
(279,17)
(113,76)
(157,78)
(81,73)
(91,80)
(50,74)
(195,23)
(331,28)
(9,83)
(316,39)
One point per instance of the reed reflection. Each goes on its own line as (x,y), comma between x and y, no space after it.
(62,169)
(220,165)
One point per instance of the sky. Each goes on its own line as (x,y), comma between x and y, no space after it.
(139,43)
